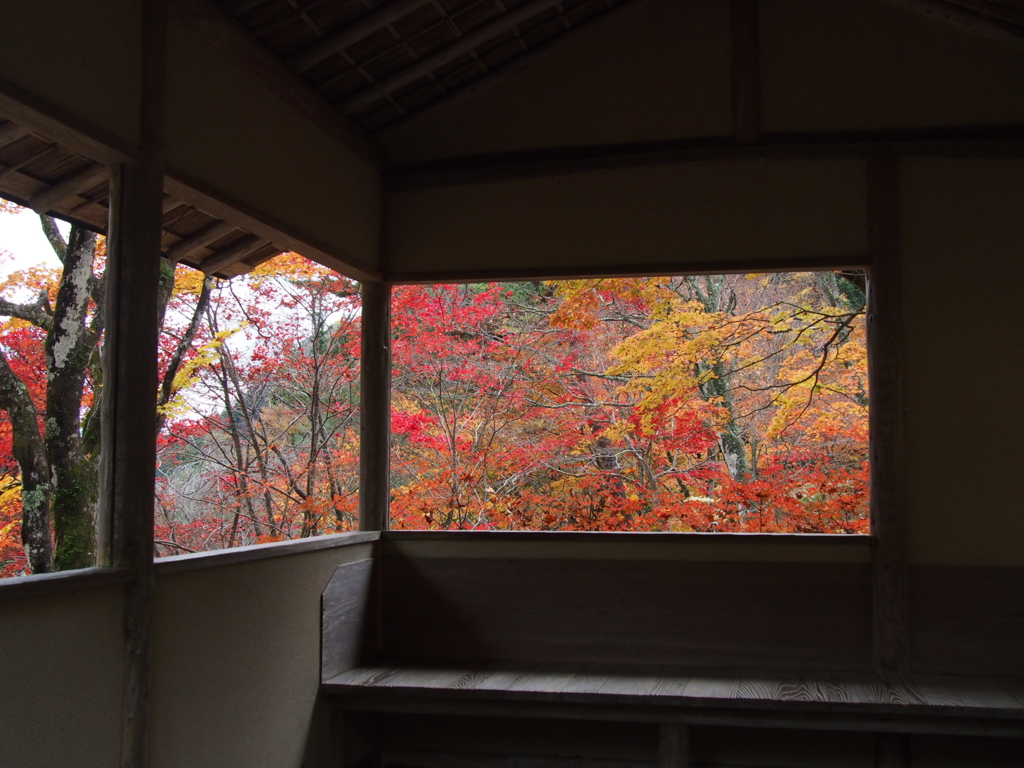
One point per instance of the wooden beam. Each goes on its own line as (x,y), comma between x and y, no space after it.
(646,269)
(128,423)
(199,240)
(171,204)
(984,23)
(233,40)
(67,188)
(673,746)
(214,202)
(891,601)
(746,72)
(237,7)
(375,408)
(463,45)
(940,142)
(62,127)
(236,252)
(892,750)
(10,132)
(360,29)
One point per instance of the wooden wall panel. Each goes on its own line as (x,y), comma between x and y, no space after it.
(349,625)
(967,620)
(808,615)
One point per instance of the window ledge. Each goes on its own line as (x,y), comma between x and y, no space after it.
(200,560)
(22,587)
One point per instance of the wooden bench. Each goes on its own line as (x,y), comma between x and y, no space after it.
(756,698)
(767,644)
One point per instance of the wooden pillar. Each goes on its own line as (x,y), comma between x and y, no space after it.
(375,408)
(673,746)
(892,750)
(128,437)
(746,72)
(886,417)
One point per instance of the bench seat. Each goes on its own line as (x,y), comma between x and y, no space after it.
(798,699)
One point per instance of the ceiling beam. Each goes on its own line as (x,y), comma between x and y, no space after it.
(957,15)
(438,59)
(237,7)
(68,188)
(967,141)
(229,256)
(172,204)
(11,132)
(199,240)
(360,29)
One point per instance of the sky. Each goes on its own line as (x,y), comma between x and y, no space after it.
(21,236)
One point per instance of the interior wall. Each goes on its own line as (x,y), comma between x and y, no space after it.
(664,65)
(247,147)
(236,663)
(963,236)
(60,691)
(662,70)
(871,65)
(692,215)
(79,58)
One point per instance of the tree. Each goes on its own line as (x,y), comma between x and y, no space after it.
(50,383)
(711,403)
(270,450)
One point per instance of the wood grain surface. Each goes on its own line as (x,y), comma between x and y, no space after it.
(348,630)
(860,700)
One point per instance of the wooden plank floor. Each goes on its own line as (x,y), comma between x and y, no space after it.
(928,703)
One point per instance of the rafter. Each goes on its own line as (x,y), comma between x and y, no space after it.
(962,16)
(199,240)
(449,53)
(68,188)
(360,29)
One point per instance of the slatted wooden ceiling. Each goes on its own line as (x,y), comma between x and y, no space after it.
(376,62)
(379,62)
(49,178)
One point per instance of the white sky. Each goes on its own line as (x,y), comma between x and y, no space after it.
(21,236)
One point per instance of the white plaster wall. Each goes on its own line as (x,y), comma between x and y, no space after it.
(236,666)
(60,685)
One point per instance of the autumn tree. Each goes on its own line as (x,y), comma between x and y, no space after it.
(268,447)
(50,383)
(688,403)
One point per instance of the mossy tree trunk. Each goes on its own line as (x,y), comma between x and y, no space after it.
(59,462)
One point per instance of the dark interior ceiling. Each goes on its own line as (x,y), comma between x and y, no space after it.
(375,63)
(379,62)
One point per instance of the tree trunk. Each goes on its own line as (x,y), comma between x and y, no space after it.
(69,348)
(35,477)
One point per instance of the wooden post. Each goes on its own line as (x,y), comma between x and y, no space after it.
(746,72)
(886,417)
(674,746)
(892,750)
(375,408)
(128,437)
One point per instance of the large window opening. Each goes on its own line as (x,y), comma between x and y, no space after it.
(694,403)
(257,406)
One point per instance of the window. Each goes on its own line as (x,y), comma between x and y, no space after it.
(697,403)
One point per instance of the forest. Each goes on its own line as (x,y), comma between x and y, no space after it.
(666,403)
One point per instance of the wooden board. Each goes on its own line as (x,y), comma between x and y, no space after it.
(348,621)
(812,615)
(967,620)
(794,698)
